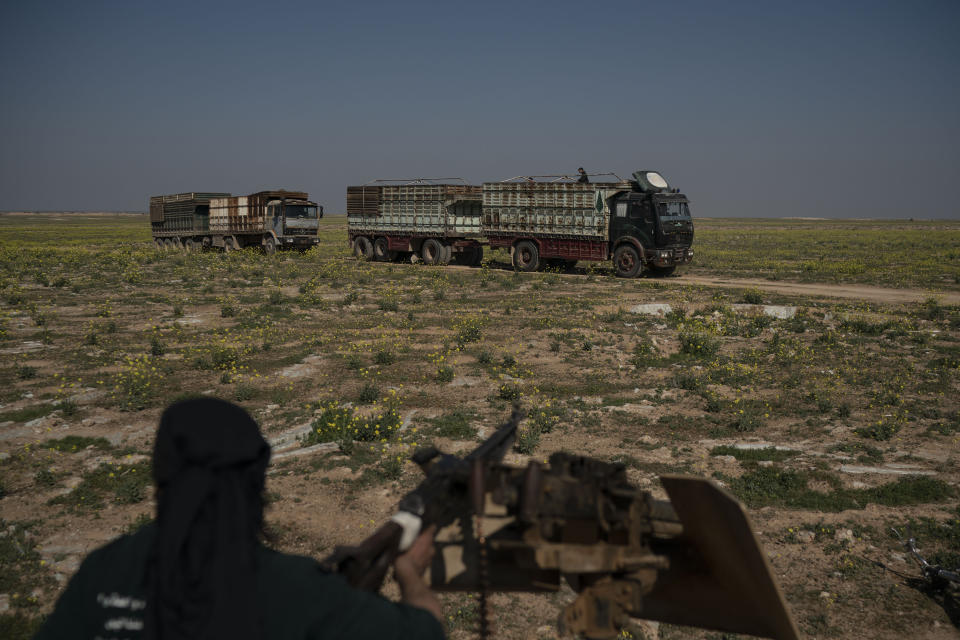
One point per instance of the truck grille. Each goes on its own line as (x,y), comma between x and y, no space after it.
(301,232)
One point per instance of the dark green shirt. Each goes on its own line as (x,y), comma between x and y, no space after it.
(105,600)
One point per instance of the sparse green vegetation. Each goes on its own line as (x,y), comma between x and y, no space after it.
(786,488)
(103,331)
(767,453)
(340,424)
(699,344)
(119,483)
(455,424)
(72,444)
(19,626)
(28,413)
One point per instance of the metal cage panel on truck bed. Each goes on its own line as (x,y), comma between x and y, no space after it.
(240,214)
(236,214)
(555,209)
(181,212)
(421,209)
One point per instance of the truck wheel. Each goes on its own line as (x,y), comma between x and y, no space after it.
(432,251)
(626,261)
(158,244)
(190,245)
(270,245)
(526,257)
(380,251)
(663,272)
(167,244)
(362,248)
(477,256)
(446,254)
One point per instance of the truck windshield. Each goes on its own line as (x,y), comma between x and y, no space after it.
(301,211)
(673,210)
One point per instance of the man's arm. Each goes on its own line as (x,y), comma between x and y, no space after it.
(409,568)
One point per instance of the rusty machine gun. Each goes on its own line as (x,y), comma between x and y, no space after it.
(692,560)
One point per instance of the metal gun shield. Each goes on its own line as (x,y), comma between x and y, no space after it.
(738,592)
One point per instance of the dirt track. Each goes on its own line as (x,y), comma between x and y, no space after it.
(860,292)
(868,293)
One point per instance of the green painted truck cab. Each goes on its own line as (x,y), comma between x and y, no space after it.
(650,225)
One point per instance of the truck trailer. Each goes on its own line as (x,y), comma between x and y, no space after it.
(272,220)
(541,220)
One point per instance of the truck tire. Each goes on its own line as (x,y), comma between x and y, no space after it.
(432,251)
(526,256)
(362,248)
(158,244)
(380,251)
(477,256)
(270,245)
(167,244)
(662,272)
(626,261)
(190,245)
(446,253)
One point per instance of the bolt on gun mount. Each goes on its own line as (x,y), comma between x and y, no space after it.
(692,560)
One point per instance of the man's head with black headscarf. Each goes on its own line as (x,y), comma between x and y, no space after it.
(209,465)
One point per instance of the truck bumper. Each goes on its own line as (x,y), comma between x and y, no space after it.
(299,242)
(671,257)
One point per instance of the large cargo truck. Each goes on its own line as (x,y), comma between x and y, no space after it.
(542,221)
(272,220)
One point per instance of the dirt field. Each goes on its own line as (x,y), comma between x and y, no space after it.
(820,388)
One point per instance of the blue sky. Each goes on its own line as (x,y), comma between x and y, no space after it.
(840,109)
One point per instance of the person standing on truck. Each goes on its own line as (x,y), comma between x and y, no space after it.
(200,570)
(583,179)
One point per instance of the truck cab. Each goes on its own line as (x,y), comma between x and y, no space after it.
(650,225)
(294,221)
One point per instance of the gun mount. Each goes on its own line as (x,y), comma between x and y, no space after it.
(691,560)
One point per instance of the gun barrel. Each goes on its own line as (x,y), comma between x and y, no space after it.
(496,446)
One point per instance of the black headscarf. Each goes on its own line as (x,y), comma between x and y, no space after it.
(209,465)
